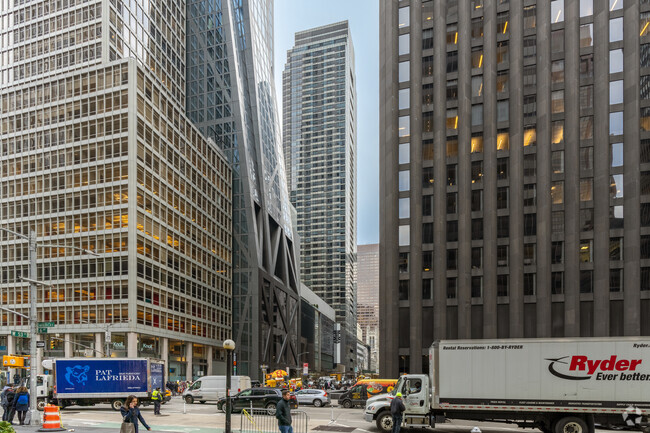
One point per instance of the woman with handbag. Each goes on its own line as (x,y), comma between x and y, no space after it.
(130,416)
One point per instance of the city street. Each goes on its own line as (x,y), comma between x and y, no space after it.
(204,418)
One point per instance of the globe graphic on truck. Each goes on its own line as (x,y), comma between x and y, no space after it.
(77,375)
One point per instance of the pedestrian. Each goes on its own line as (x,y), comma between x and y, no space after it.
(397,409)
(21,404)
(4,403)
(156,396)
(283,413)
(131,413)
(10,395)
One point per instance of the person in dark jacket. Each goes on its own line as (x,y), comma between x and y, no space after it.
(6,407)
(10,396)
(21,404)
(283,413)
(131,413)
(397,408)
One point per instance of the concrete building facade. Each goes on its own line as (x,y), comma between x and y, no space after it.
(97,153)
(231,98)
(319,124)
(368,300)
(514,171)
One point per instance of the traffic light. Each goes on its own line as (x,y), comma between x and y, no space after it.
(52,344)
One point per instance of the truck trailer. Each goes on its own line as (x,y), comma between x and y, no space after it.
(556,385)
(90,381)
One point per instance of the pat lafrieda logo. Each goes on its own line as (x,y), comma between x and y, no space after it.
(580,367)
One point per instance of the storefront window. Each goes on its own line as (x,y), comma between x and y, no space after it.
(149,346)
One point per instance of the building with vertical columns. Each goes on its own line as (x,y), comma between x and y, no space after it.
(515,172)
(231,97)
(97,153)
(368,299)
(319,124)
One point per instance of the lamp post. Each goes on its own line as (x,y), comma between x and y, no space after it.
(229,345)
(33,318)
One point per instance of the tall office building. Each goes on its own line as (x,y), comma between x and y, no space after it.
(98,154)
(515,160)
(231,96)
(368,299)
(319,124)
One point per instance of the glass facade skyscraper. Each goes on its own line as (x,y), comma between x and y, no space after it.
(514,169)
(97,153)
(319,124)
(231,97)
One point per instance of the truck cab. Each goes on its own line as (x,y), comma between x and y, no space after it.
(416,394)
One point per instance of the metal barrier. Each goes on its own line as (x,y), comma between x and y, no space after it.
(264,421)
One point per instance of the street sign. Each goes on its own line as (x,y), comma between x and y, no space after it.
(107,336)
(13,361)
(43,330)
(40,344)
(19,334)
(305,368)
(46,324)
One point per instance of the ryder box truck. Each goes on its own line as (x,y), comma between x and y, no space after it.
(556,385)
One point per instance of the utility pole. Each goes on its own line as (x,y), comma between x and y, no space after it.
(32,328)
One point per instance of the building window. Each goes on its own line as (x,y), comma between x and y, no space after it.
(403,17)
(616,248)
(451,288)
(557,192)
(477,171)
(530,254)
(503,226)
(403,290)
(477,86)
(427,261)
(476,143)
(616,29)
(586,97)
(502,256)
(427,177)
(452,90)
(587,66)
(452,35)
(427,94)
(587,35)
(477,287)
(530,194)
(617,154)
(557,162)
(645,23)
(502,168)
(404,71)
(530,17)
(557,222)
(427,205)
(502,198)
(502,23)
(427,233)
(477,258)
(452,260)
(530,224)
(587,128)
(586,251)
(503,139)
(586,159)
(530,48)
(502,285)
(645,119)
(404,207)
(530,76)
(452,147)
(404,180)
(502,53)
(477,115)
(616,186)
(477,28)
(586,220)
(616,92)
(427,39)
(557,72)
(404,99)
(616,280)
(404,153)
(557,11)
(502,82)
(530,108)
(586,281)
(452,118)
(503,111)
(616,217)
(557,283)
(586,8)
(404,235)
(477,229)
(530,136)
(615,62)
(403,263)
(452,61)
(557,41)
(529,284)
(427,70)
(557,252)
(404,126)
(557,102)
(451,174)
(557,132)
(404,44)
(477,200)
(530,165)
(427,288)
(452,231)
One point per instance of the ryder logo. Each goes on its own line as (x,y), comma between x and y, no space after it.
(580,367)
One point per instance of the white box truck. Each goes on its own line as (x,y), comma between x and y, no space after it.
(556,385)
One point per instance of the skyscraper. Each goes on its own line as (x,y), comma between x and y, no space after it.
(231,97)
(368,298)
(97,153)
(513,199)
(319,124)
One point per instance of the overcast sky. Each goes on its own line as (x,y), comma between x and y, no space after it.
(292,16)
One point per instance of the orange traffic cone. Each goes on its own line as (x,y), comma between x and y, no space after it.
(51,419)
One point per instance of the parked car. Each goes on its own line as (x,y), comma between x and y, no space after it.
(317,397)
(258,398)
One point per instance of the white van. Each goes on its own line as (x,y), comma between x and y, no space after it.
(212,388)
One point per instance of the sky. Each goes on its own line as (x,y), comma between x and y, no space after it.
(292,16)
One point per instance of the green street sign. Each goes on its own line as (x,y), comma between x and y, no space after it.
(46,324)
(19,334)
(43,330)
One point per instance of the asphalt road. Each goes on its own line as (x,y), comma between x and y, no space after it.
(205,418)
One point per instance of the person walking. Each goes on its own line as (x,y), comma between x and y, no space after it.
(10,395)
(156,396)
(4,402)
(283,413)
(21,404)
(397,408)
(131,413)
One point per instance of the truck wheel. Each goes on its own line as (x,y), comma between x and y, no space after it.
(189,399)
(385,422)
(117,404)
(347,404)
(571,424)
(40,404)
